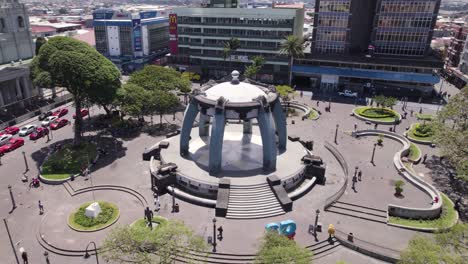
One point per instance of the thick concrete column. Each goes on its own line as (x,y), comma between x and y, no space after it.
(216,141)
(280,123)
(27,87)
(247,127)
(2,103)
(19,94)
(190,114)
(267,132)
(204,125)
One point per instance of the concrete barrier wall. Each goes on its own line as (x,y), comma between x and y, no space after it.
(344,165)
(373,120)
(399,210)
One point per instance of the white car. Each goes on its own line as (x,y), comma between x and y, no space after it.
(4,139)
(26,130)
(347,93)
(48,120)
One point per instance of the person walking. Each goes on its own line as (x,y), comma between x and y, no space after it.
(355,127)
(24,255)
(359,175)
(424,158)
(318,102)
(354,183)
(41,208)
(412,111)
(220,233)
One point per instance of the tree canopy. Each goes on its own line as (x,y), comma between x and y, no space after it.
(285,91)
(253,69)
(276,248)
(133,244)
(447,248)
(153,77)
(39,42)
(293,47)
(78,67)
(451,132)
(384,101)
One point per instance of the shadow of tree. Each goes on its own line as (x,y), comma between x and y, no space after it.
(156,130)
(113,149)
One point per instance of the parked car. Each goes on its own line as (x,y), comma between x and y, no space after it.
(48,120)
(58,123)
(4,138)
(13,144)
(45,115)
(38,133)
(84,113)
(26,130)
(348,93)
(12,130)
(60,112)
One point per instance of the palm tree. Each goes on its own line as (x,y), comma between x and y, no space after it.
(292,46)
(226,53)
(230,47)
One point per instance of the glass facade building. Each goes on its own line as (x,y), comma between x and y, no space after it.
(404,27)
(332,27)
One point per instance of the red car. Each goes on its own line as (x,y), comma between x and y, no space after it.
(58,123)
(60,112)
(84,113)
(11,130)
(13,144)
(38,133)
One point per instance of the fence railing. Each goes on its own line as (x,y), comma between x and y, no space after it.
(344,166)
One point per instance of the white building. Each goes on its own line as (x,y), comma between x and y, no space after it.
(202,33)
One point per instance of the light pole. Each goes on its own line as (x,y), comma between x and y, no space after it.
(329,104)
(214,234)
(173,198)
(12,198)
(87,255)
(317,213)
(25,161)
(373,153)
(336,133)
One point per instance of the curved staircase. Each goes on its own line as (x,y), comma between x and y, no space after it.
(252,201)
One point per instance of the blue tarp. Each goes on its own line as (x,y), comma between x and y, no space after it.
(369,74)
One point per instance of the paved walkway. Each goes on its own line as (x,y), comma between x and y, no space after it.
(125,167)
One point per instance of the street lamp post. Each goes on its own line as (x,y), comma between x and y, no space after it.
(12,198)
(25,161)
(87,255)
(329,104)
(46,255)
(373,153)
(173,198)
(214,234)
(317,212)
(336,133)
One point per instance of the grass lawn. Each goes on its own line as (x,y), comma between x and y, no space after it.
(78,220)
(68,160)
(141,229)
(411,134)
(414,152)
(427,117)
(377,114)
(445,220)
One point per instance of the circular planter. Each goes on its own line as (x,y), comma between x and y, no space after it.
(416,140)
(77,227)
(375,120)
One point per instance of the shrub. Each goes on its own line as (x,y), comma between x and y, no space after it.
(423,130)
(106,214)
(380,140)
(399,186)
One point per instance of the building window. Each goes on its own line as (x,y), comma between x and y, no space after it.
(20,22)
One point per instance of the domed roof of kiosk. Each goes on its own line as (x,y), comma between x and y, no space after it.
(235,91)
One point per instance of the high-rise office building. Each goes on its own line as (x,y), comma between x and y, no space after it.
(131,40)
(372,46)
(223,3)
(203,32)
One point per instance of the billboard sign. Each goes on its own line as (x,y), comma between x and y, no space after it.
(173,36)
(137,36)
(148,14)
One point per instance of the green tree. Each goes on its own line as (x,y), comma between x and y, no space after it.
(39,42)
(250,71)
(448,248)
(153,77)
(293,47)
(191,76)
(44,80)
(256,66)
(380,100)
(131,244)
(451,132)
(390,102)
(161,103)
(231,46)
(132,99)
(83,71)
(285,92)
(276,248)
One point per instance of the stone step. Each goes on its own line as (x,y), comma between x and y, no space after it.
(254,203)
(253,206)
(255,195)
(249,186)
(358,214)
(255,215)
(264,189)
(252,200)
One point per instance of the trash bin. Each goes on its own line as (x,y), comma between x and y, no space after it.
(351,237)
